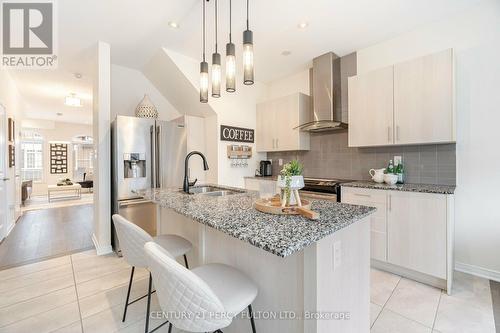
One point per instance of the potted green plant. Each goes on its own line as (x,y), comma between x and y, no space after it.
(290,179)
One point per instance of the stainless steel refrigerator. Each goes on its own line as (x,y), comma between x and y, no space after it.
(146,153)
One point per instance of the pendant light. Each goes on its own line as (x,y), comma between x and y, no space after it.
(230,58)
(216,70)
(203,67)
(248,78)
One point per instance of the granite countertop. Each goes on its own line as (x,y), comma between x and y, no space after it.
(423,188)
(235,216)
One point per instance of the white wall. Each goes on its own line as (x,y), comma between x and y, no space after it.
(298,82)
(236,109)
(128,87)
(475,36)
(101,98)
(12,101)
(54,131)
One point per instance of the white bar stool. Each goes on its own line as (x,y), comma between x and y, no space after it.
(204,299)
(132,239)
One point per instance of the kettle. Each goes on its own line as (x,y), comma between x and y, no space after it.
(377,175)
(266,168)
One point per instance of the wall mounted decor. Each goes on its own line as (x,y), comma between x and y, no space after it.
(236,134)
(146,109)
(12,130)
(58,158)
(12,156)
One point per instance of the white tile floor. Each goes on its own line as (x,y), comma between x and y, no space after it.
(85,293)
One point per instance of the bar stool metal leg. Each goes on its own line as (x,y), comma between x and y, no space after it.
(186,262)
(128,293)
(149,303)
(250,312)
(170,328)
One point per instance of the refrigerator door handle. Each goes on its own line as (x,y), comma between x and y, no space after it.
(153,156)
(159,181)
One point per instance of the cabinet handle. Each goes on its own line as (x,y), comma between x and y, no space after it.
(390,202)
(362,195)
(277,143)
(389,133)
(397,133)
(273,144)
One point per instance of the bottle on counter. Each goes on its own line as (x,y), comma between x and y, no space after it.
(399,171)
(390,168)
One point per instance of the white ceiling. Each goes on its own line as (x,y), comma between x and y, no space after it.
(137,29)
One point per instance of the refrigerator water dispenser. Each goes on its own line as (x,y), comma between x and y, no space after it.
(134,165)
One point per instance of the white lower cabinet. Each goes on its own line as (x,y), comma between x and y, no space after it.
(260,184)
(416,236)
(411,232)
(378,220)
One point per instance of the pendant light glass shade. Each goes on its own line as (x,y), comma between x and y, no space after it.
(216,75)
(203,67)
(248,53)
(204,82)
(230,67)
(248,78)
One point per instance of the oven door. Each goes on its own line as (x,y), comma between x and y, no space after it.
(318,195)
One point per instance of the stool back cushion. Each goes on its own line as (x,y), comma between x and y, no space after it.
(132,239)
(189,303)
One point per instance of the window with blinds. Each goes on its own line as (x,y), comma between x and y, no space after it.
(32,160)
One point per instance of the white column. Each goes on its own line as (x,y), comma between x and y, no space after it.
(101,132)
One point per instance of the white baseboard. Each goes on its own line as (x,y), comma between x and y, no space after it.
(478,271)
(101,250)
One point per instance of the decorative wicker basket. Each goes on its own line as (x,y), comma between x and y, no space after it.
(146,109)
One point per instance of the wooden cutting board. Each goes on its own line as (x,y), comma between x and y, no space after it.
(273,206)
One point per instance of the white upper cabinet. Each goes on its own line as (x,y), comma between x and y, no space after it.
(371,108)
(408,103)
(276,120)
(423,100)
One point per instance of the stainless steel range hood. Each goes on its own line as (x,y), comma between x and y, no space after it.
(327,92)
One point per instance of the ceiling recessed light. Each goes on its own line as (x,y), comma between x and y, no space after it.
(59,114)
(303,25)
(173,25)
(286,53)
(78,75)
(72,100)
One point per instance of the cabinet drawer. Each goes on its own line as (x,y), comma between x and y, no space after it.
(378,245)
(364,194)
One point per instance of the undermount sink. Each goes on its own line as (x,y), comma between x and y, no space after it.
(212,191)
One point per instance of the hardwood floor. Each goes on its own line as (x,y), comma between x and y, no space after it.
(47,233)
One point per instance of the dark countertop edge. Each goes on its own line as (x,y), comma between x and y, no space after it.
(407,187)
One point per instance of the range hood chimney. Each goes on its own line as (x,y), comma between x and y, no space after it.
(328,91)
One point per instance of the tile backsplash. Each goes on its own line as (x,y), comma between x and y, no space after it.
(330,157)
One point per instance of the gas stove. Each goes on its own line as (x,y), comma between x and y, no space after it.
(328,189)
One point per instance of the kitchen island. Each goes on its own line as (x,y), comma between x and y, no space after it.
(313,276)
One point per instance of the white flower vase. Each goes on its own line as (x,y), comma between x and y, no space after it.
(296,183)
(146,109)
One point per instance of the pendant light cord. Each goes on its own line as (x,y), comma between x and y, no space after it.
(203,30)
(216,25)
(230,21)
(247,16)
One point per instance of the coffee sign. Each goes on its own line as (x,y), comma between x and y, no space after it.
(237,134)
